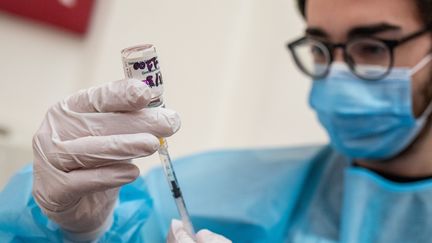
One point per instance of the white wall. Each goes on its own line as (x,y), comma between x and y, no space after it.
(224,62)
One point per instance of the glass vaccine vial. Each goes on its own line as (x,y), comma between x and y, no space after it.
(141,62)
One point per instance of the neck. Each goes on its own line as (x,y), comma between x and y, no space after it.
(415,161)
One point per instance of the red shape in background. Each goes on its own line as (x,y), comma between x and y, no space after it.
(75,18)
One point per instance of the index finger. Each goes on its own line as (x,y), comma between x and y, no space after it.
(116,96)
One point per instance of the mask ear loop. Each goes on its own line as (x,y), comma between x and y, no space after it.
(418,67)
(421,64)
(427,111)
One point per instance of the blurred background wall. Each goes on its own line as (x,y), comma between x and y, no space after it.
(225,66)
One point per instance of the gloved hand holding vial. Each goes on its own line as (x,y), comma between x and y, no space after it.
(141,62)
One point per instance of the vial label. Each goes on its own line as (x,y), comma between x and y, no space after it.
(147,70)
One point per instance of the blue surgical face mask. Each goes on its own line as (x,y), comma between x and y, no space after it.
(368,119)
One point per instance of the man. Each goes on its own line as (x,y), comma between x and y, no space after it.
(371,66)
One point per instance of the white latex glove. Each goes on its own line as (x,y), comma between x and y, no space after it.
(177,234)
(82,153)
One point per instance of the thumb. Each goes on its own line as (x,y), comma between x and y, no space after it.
(206,236)
(177,233)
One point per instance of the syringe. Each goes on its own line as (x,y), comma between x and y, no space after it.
(140,62)
(174,186)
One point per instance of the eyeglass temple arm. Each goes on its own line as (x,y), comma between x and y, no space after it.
(428,28)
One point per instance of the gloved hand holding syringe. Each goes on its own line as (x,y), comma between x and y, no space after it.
(141,62)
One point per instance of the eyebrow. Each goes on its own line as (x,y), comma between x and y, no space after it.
(314,31)
(368,30)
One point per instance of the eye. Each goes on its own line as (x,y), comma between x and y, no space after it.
(319,55)
(367,49)
(370,52)
(317,51)
(372,49)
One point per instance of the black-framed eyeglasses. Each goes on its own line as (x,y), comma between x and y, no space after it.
(368,58)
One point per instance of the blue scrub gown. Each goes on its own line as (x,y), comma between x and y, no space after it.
(303,194)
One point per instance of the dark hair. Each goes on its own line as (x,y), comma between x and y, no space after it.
(424,7)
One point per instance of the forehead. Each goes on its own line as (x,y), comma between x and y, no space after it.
(341,15)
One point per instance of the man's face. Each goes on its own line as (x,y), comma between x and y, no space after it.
(337,20)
